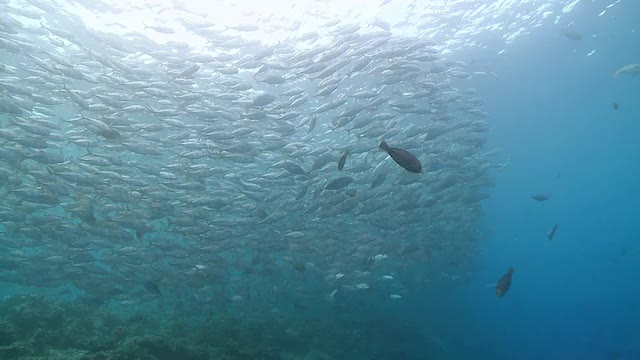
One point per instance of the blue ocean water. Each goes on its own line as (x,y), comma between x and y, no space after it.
(549,100)
(576,296)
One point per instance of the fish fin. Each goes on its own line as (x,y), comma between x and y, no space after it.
(383,145)
(490,285)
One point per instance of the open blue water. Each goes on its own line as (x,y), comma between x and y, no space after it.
(576,296)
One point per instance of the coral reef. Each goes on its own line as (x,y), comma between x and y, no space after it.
(34,327)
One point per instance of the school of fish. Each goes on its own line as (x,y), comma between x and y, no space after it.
(134,170)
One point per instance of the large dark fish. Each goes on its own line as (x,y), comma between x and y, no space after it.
(403,158)
(343,159)
(504,283)
(541,197)
(552,232)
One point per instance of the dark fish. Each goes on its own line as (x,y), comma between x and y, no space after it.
(339,183)
(109,133)
(263,99)
(294,168)
(504,283)
(343,159)
(541,197)
(552,232)
(402,158)
(151,287)
(614,105)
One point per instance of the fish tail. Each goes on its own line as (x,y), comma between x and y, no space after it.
(383,145)
(511,270)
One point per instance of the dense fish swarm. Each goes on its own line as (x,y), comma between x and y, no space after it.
(135,170)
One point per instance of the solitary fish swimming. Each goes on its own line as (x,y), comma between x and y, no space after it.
(403,158)
(631,69)
(552,232)
(541,197)
(504,283)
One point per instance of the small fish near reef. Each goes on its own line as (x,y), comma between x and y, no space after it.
(552,232)
(504,283)
(541,197)
(402,158)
